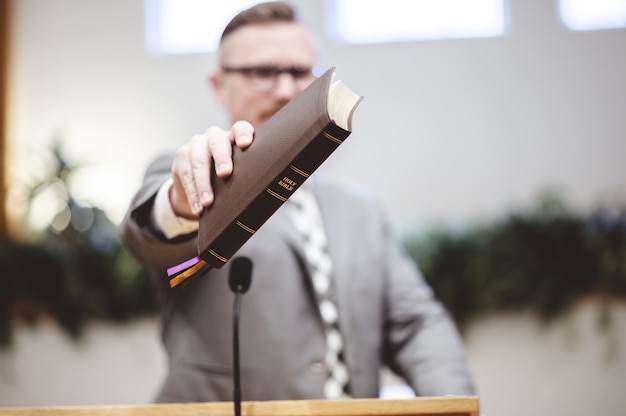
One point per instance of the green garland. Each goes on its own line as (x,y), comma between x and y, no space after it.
(73,278)
(542,261)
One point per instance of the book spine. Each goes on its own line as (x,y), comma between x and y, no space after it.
(275,194)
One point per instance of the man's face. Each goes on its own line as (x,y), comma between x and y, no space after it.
(251,94)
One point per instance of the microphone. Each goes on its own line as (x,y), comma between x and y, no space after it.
(240,274)
(239,281)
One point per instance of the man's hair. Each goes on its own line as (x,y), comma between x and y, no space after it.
(269,12)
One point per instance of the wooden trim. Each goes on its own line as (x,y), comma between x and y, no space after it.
(422,406)
(4,70)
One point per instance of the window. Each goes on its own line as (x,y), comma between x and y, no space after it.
(356,21)
(593,14)
(194,26)
(187,26)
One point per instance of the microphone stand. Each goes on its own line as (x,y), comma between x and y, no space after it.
(237,378)
(239,281)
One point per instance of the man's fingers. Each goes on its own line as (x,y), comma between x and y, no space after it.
(200,163)
(220,150)
(242,134)
(193,163)
(183,195)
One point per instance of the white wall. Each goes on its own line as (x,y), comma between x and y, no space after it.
(108,364)
(521,366)
(571,367)
(449,131)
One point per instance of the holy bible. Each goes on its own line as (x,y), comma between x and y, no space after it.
(285,151)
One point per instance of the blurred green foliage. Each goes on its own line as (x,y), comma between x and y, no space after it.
(542,261)
(77,270)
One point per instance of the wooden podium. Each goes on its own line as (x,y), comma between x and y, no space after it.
(421,406)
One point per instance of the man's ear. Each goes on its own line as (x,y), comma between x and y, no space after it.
(216,81)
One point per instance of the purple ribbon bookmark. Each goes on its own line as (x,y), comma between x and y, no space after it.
(183,266)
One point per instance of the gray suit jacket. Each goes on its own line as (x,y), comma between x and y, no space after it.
(388,314)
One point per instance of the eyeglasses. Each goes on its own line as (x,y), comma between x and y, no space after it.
(265,78)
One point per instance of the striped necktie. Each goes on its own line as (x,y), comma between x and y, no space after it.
(308,221)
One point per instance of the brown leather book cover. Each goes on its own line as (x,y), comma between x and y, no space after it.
(285,151)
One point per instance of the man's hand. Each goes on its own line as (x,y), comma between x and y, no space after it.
(191,169)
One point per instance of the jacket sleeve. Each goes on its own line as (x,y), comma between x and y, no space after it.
(153,250)
(421,341)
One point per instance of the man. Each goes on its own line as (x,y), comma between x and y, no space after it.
(381,311)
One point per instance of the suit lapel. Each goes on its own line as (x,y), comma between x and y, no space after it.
(284,227)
